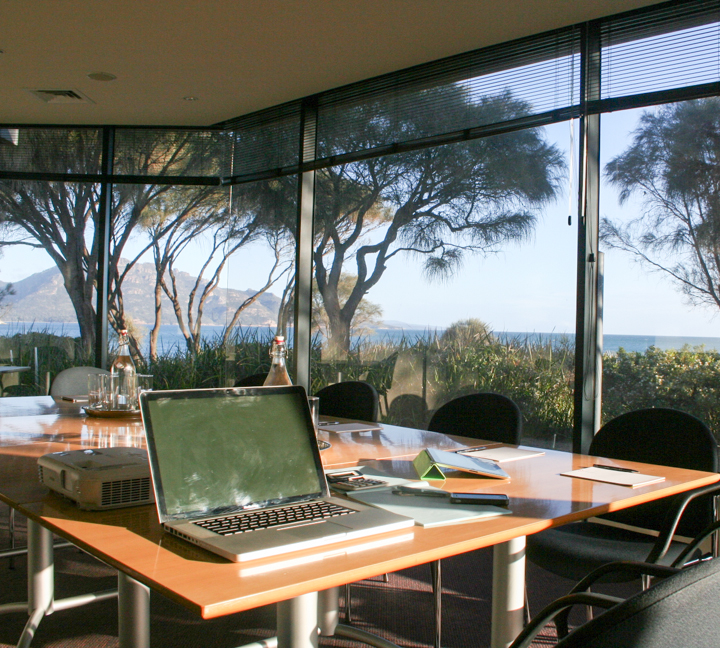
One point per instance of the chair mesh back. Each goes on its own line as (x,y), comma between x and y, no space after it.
(353,399)
(682,610)
(663,436)
(481,416)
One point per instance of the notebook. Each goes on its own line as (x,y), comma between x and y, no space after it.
(238,472)
(614,476)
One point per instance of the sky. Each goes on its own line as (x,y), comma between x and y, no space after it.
(525,288)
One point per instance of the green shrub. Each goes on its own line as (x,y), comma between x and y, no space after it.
(687,379)
(538,375)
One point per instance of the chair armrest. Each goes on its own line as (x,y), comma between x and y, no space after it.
(529,632)
(697,541)
(628,567)
(624,566)
(662,544)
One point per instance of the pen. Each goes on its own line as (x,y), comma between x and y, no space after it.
(329,423)
(419,492)
(614,468)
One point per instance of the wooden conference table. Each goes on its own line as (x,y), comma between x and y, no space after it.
(132,541)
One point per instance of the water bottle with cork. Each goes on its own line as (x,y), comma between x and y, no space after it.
(122,376)
(278,374)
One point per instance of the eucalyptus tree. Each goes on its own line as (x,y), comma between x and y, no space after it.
(55,216)
(63,218)
(175,222)
(672,166)
(438,204)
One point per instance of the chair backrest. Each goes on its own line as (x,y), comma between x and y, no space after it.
(253,380)
(73,381)
(408,410)
(481,416)
(667,437)
(354,399)
(681,610)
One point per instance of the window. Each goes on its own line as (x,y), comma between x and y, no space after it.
(661,347)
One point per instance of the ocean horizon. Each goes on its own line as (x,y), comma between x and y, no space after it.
(171,337)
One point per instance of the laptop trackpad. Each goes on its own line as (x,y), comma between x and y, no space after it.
(321,529)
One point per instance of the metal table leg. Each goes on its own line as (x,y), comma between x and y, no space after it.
(436,573)
(41,568)
(41,579)
(133,613)
(297,622)
(508,592)
(328,611)
(300,620)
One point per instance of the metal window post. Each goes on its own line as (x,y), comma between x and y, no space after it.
(104,226)
(304,249)
(587,394)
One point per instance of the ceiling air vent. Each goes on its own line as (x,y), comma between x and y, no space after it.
(60,96)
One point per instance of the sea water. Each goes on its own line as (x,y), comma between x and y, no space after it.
(171,337)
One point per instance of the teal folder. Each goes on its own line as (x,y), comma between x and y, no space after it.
(426,511)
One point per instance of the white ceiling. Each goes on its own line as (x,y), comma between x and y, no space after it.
(238,56)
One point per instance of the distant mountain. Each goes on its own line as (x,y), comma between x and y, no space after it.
(42,298)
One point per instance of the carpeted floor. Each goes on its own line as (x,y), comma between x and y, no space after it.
(400,611)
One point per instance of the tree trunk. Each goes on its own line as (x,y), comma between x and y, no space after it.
(338,346)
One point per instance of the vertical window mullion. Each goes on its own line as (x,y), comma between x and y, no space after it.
(587,363)
(304,249)
(104,226)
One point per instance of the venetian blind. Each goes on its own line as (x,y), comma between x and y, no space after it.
(52,150)
(672,46)
(172,152)
(492,85)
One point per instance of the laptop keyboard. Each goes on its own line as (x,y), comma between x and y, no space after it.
(255,520)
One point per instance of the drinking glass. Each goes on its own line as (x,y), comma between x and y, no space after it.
(144,383)
(109,394)
(314,403)
(97,386)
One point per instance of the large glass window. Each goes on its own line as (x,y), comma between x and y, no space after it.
(661,237)
(450,271)
(204,278)
(48,266)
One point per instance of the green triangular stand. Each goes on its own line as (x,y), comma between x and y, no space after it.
(426,468)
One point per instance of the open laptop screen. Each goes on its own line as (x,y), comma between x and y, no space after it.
(220,450)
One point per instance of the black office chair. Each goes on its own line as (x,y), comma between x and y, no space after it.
(680,610)
(659,436)
(253,380)
(481,416)
(353,399)
(487,416)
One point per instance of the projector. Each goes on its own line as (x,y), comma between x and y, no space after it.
(99,478)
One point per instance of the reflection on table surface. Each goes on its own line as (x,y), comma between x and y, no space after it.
(36,405)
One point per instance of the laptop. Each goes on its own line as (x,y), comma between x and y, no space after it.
(238,472)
